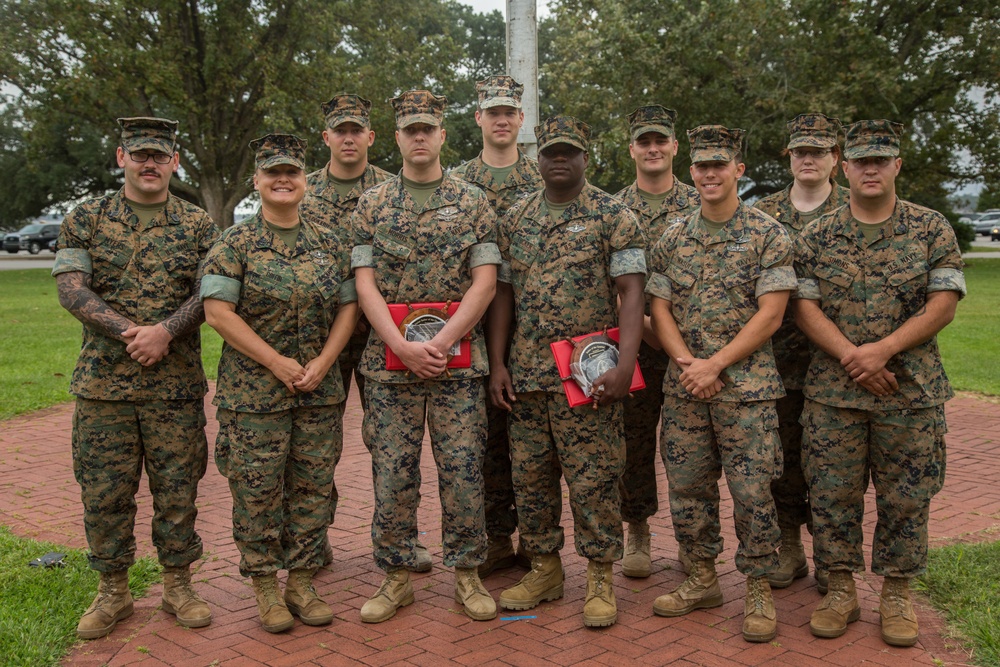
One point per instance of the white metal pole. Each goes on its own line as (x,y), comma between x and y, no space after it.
(522,64)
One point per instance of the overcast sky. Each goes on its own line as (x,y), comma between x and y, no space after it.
(486,6)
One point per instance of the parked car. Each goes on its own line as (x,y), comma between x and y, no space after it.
(986,223)
(33,237)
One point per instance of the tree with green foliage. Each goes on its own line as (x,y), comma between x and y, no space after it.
(755,64)
(229,71)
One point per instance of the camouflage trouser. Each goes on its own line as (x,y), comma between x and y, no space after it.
(791,494)
(642,416)
(501,514)
(348,362)
(280,469)
(903,452)
(587,446)
(112,441)
(455,413)
(699,440)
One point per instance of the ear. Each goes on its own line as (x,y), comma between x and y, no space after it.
(479,118)
(371,137)
(326,137)
(255,184)
(740,169)
(176,163)
(120,155)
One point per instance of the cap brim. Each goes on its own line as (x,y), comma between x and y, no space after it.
(870,151)
(149,144)
(713,155)
(812,142)
(413,119)
(336,121)
(659,129)
(500,102)
(562,140)
(275,160)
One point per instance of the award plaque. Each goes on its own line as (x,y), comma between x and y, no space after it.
(593,354)
(420,322)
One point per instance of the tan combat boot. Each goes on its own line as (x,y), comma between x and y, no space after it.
(180,599)
(822,581)
(600,609)
(499,556)
(899,621)
(302,600)
(699,591)
(112,604)
(637,562)
(543,583)
(838,608)
(423,559)
(274,615)
(791,560)
(474,598)
(396,591)
(759,618)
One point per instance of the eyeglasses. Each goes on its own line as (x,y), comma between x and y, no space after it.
(816,153)
(158,158)
(877,160)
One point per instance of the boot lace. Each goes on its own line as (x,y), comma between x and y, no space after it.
(472,583)
(756,593)
(390,579)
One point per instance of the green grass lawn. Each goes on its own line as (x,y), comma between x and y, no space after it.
(41,606)
(969,345)
(963,582)
(40,341)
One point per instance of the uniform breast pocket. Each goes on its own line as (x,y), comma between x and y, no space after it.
(834,285)
(741,288)
(388,249)
(109,263)
(522,256)
(909,286)
(682,279)
(455,241)
(265,295)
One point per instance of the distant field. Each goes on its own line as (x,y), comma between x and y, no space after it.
(39,341)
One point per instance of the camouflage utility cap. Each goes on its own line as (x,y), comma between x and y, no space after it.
(418,106)
(873,138)
(347,108)
(274,149)
(562,130)
(813,129)
(148,134)
(652,118)
(499,91)
(715,143)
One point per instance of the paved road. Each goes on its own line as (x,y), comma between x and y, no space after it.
(23,260)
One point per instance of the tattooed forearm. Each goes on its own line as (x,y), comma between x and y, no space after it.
(187,318)
(76,296)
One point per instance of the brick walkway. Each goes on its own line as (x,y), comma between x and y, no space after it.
(40,499)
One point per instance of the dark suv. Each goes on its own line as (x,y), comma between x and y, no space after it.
(34,238)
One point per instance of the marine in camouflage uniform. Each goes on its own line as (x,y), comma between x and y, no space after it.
(500,117)
(285,307)
(561,273)
(813,147)
(658,200)
(720,281)
(877,280)
(407,251)
(332,194)
(128,266)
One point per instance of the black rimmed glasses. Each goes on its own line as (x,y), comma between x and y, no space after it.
(158,158)
(815,153)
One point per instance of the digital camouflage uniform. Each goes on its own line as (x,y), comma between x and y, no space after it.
(713,283)
(279,450)
(868,290)
(129,416)
(642,411)
(562,274)
(420,256)
(325,205)
(791,349)
(501,515)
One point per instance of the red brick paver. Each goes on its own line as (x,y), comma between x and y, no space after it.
(40,499)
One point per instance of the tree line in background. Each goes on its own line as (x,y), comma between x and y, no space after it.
(232,70)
